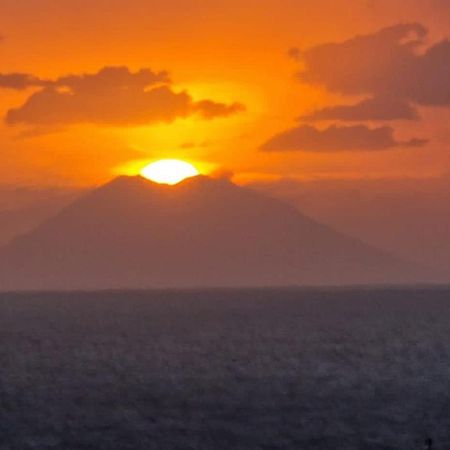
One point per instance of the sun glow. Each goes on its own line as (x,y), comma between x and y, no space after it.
(169,171)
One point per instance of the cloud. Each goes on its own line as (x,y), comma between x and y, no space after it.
(209,109)
(306,138)
(392,68)
(113,96)
(20,81)
(391,63)
(370,109)
(108,78)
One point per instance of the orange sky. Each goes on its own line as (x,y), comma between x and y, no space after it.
(225,51)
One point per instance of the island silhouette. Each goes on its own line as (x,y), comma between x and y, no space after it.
(202,232)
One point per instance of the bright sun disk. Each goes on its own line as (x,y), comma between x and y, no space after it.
(169,171)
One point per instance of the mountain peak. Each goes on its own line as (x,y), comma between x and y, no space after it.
(138,181)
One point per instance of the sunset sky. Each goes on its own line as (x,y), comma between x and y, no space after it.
(90,90)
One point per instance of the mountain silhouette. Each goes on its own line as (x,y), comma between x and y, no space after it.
(202,232)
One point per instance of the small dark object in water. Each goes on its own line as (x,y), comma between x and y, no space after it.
(428,444)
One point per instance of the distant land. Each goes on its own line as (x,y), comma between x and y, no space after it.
(203,232)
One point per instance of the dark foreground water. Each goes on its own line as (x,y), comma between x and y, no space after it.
(255,369)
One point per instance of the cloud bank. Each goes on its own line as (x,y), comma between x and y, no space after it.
(392,68)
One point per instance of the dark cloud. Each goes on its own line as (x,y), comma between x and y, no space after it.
(306,138)
(392,68)
(378,108)
(20,81)
(110,78)
(209,109)
(113,96)
(391,63)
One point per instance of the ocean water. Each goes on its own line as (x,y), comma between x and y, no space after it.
(222,369)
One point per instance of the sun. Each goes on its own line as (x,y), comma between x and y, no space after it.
(169,171)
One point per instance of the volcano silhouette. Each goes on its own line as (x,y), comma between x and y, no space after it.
(202,232)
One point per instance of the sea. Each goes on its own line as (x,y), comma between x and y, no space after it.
(294,368)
